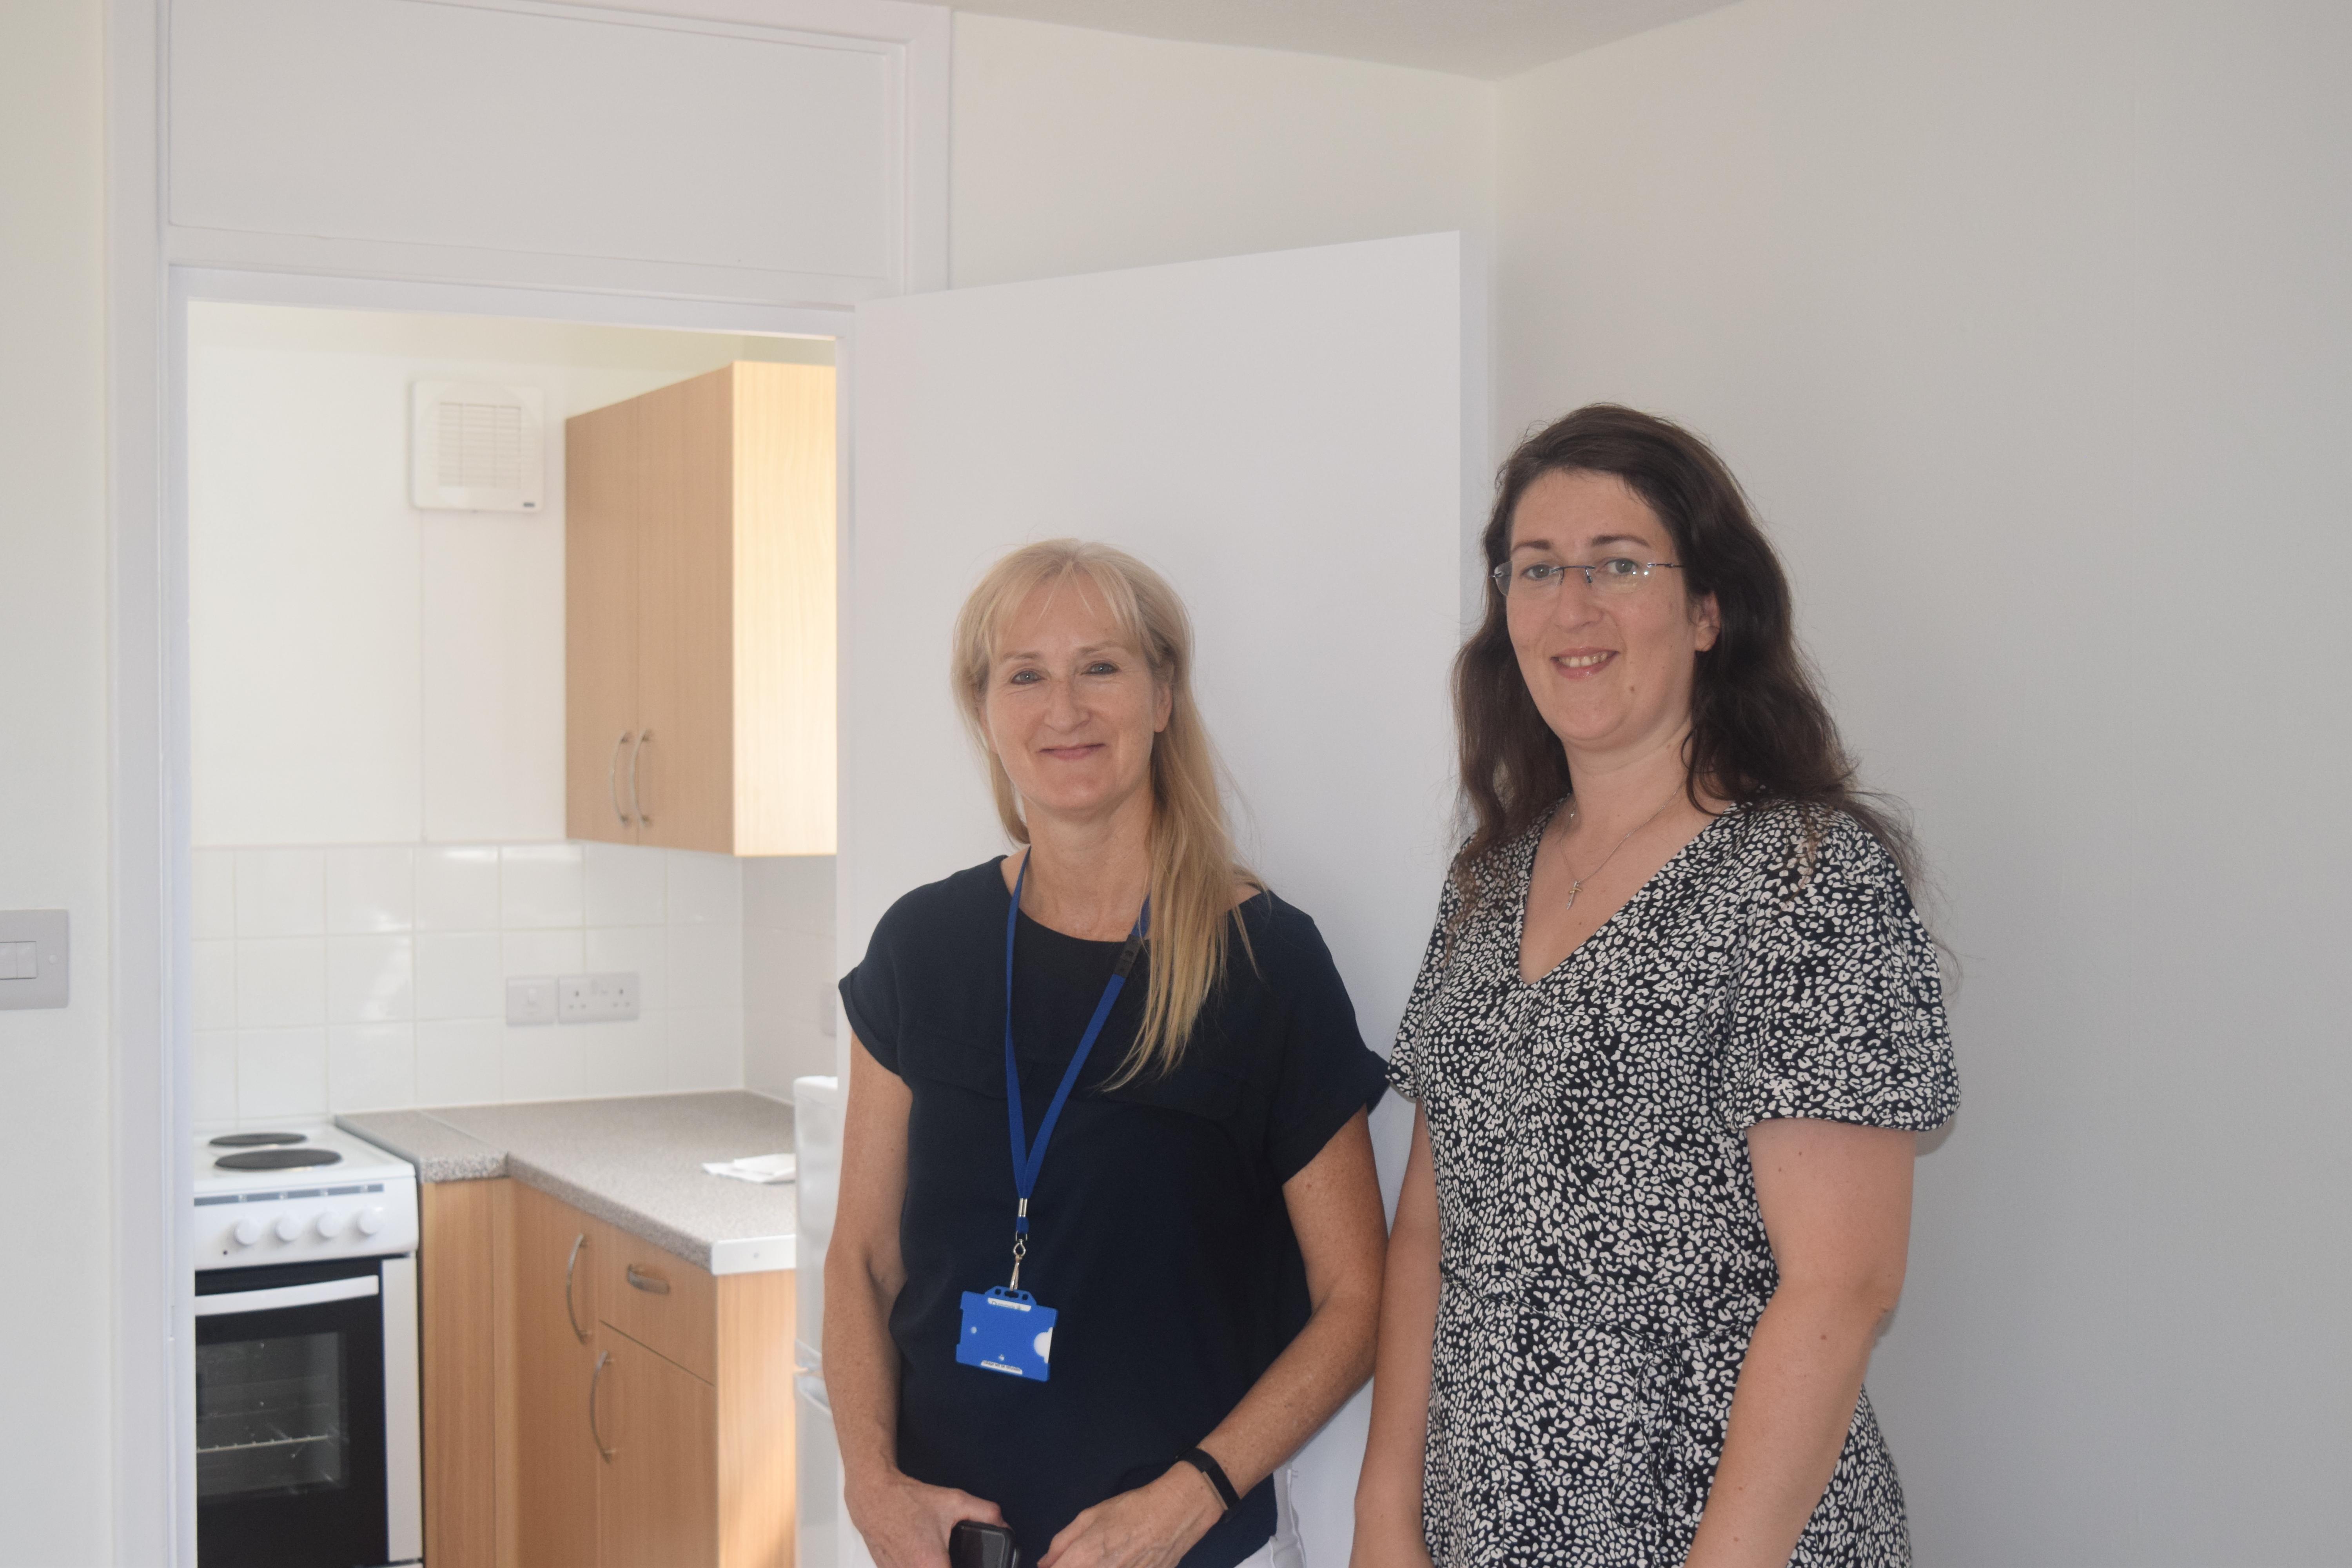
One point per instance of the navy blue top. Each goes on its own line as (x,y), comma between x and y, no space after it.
(1158,1229)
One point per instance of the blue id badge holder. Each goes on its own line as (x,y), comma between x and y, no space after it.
(1005,1330)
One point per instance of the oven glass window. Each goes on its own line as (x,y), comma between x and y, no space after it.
(273,1415)
(290,1419)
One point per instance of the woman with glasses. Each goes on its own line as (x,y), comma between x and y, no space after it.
(1109,1242)
(1675,1036)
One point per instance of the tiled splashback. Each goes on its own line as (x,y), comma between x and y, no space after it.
(362,977)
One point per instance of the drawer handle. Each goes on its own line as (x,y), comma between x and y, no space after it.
(570,1264)
(595,1379)
(645,1281)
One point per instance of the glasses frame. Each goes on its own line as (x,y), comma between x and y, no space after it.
(1501,575)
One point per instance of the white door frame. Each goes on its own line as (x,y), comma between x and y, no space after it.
(151,1004)
(154,1088)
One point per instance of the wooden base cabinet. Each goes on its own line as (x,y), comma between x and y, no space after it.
(555,1457)
(657,1495)
(670,1447)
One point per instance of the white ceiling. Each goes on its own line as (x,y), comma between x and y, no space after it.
(1470,37)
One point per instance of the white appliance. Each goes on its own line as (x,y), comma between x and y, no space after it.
(825,1539)
(307,1432)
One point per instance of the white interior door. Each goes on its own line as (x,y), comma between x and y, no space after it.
(1283,436)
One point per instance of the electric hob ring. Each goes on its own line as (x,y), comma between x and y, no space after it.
(276,1159)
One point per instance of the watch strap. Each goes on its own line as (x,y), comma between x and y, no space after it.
(1201,1461)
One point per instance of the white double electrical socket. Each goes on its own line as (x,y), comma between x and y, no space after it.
(595,998)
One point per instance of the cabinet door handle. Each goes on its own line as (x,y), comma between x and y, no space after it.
(612,779)
(647,1281)
(595,1379)
(636,802)
(570,1264)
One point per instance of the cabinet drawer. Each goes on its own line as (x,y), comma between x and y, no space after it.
(659,1300)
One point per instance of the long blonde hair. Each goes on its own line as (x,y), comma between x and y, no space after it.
(1194,918)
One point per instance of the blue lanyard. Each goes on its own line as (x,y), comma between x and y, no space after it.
(1027,1157)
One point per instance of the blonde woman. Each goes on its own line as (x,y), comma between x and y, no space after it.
(1105,1310)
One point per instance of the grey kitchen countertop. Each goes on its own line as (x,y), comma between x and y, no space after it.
(635,1163)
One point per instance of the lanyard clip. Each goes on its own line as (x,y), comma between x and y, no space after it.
(1020,1251)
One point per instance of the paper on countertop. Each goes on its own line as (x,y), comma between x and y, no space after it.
(762,1168)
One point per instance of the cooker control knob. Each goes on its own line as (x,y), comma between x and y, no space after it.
(371,1221)
(287,1228)
(331,1226)
(247,1232)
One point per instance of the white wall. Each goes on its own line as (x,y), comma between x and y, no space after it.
(378,738)
(364,672)
(54,1446)
(1078,150)
(2027,325)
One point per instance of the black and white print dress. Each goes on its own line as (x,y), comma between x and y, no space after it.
(1602,1257)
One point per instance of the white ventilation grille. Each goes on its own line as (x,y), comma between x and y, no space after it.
(477,447)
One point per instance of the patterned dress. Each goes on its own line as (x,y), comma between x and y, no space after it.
(1602,1257)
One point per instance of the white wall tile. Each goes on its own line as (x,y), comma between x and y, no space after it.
(280,1073)
(402,1001)
(371,887)
(624,885)
(213,971)
(706,1048)
(623,1058)
(540,886)
(457,1061)
(706,966)
(632,950)
(215,1060)
(372,1066)
(281,893)
(458,975)
(212,893)
(704,889)
(457,886)
(281,982)
(369,979)
(556,953)
(541,1064)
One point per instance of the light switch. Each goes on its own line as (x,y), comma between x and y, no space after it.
(531,1000)
(33,958)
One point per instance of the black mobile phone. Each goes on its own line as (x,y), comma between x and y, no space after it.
(972,1545)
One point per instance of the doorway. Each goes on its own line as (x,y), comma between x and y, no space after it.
(374,700)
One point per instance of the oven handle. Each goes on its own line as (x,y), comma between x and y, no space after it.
(286,1296)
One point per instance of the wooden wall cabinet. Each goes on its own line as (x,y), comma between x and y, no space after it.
(670,1450)
(698,635)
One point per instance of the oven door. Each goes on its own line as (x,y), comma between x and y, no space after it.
(290,1468)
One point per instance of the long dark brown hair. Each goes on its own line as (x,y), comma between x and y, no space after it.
(1759,729)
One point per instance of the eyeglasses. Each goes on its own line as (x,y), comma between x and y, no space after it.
(1533,580)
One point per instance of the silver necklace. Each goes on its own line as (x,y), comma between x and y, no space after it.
(1575,814)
